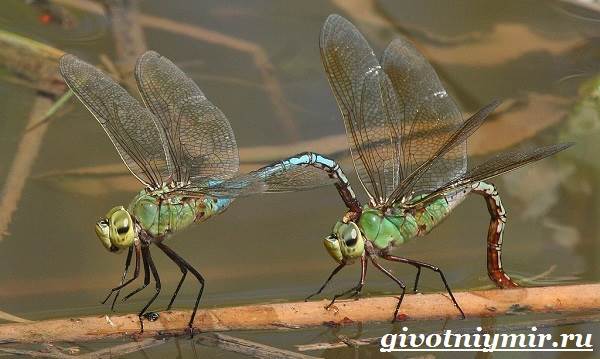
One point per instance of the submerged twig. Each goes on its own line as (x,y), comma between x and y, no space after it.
(24,159)
(305,314)
(58,104)
(128,37)
(256,52)
(248,348)
(13,318)
(122,349)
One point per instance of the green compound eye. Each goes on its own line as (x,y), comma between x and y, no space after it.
(116,231)
(350,236)
(332,245)
(346,243)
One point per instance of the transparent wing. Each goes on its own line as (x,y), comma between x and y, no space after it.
(273,179)
(456,139)
(200,139)
(430,116)
(133,129)
(348,59)
(497,165)
(380,147)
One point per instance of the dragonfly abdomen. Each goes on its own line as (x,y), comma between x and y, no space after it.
(427,217)
(160,216)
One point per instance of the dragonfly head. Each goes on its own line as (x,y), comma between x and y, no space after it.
(116,232)
(345,243)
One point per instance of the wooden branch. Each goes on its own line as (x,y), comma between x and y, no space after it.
(296,315)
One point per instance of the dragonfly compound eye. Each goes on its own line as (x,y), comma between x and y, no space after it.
(103,233)
(352,244)
(119,230)
(332,245)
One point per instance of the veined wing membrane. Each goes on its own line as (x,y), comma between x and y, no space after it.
(429,119)
(497,165)
(348,58)
(458,138)
(200,139)
(130,126)
(381,145)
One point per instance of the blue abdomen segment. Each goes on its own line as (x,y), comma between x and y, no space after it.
(332,169)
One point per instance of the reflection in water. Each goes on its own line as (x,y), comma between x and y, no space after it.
(272,251)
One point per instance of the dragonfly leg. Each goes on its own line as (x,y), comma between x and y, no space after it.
(127,263)
(495,232)
(182,263)
(419,264)
(150,262)
(355,291)
(144,251)
(333,273)
(123,284)
(184,272)
(417,277)
(398,281)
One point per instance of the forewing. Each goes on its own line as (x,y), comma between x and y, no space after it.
(132,128)
(430,116)
(200,138)
(499,164)
(380,146)
(348,58)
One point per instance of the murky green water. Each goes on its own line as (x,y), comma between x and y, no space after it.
(535,55)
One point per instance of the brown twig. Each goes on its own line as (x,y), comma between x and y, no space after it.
(304,314)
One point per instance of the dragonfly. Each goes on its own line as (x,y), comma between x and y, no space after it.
(181,147)
(407,139)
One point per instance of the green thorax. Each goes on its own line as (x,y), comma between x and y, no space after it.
(159,214)
(397,225)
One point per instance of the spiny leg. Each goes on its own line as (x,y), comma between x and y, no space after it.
(181,262)
(144,250)
(495,232)
(333,273)
(419,264)
(136,273)
(150,262)
(398,281)
(355,290)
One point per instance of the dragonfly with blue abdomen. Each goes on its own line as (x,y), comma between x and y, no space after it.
(182,148)
(408,139)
